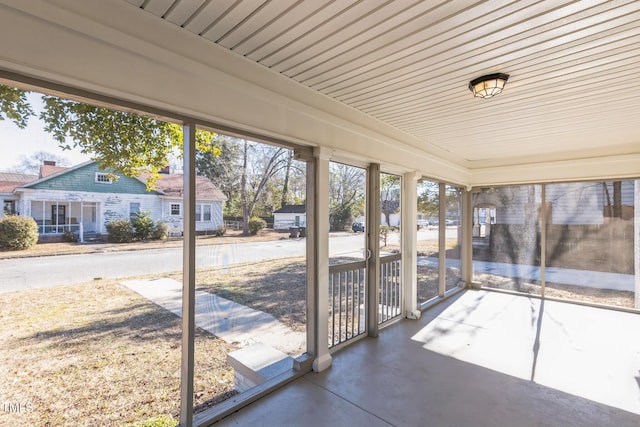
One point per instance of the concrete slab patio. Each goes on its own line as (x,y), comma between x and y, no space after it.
(224,318)
(481,359)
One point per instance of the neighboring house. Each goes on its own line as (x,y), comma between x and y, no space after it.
(83,199)
(8,183)
(569,203)
(290,216)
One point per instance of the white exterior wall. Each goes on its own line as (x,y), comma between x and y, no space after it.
(175,221)
(110,206)
(394,219)
(282,221)
(576,203)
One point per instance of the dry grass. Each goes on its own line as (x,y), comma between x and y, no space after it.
(99,354)
(277,287)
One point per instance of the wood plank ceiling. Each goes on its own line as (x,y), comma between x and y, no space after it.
(574,66)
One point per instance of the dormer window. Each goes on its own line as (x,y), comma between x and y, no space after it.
(103,178)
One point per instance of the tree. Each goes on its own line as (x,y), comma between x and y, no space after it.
(389,196)
(346,195)
(120,141)
(429,198)
(31,164)
(223,170)
(266,162)
(15,106)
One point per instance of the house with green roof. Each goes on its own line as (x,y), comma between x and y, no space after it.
(84,198)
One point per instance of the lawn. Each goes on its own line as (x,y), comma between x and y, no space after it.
(99,354)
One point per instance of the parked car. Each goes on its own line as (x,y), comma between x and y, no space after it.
(357,226)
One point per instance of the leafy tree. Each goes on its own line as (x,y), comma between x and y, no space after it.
(121,141)
(15,106)
(221,164)
(429,198)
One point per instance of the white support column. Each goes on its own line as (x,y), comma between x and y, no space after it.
(636,238)
(81,233)
(188,276)
(467,238)
(442,240)
(373,248)
(322,358)
(409,227)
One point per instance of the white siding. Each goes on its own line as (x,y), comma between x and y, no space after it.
(282,221)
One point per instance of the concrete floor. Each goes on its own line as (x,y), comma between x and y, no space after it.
(480,359)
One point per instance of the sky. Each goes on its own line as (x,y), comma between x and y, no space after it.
(16,142)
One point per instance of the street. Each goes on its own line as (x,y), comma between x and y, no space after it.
(28,273)
(41,272)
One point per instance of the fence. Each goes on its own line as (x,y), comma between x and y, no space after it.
(347,302)
(390,290)
(347,297)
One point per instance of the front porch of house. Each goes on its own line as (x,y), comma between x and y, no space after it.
(481,358)
(55,218)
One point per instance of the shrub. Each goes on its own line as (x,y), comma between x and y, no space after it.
(256,224)
(143,226)
(69,237)
(18,232)
(120,231)
(219,232)
(160,231)
(340,218)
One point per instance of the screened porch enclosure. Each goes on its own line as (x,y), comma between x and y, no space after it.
(58,217)
(511,207)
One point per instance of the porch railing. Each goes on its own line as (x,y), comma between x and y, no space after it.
(346,302)
(390,290)
(58,229)
(347,297)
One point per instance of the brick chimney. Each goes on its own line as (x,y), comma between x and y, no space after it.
(49,163)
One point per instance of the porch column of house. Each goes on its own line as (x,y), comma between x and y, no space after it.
(442,239)
(468,219)
(636,239)
(373,249)
(188,276)
(320,212)
(409,221)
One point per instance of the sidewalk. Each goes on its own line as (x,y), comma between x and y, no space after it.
(566,276)
(228,320)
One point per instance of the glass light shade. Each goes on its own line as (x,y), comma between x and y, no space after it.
(488,86)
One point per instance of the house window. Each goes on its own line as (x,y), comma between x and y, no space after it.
(203,212)
(9,207)
(103,178)
(134,209)
(175,209)
(206,212)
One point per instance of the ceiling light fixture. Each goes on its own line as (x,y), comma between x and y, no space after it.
(489,85)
